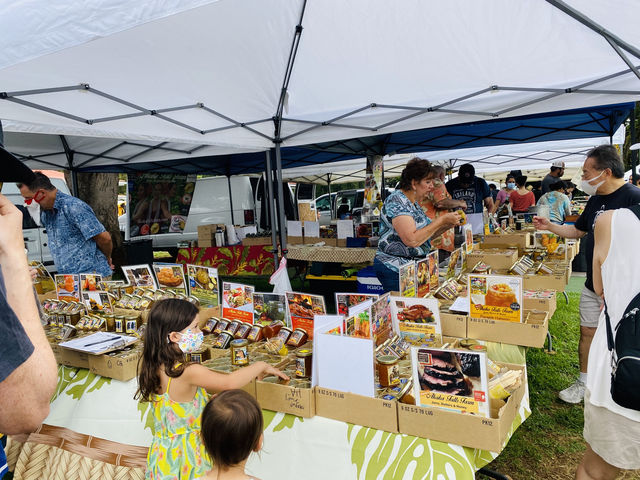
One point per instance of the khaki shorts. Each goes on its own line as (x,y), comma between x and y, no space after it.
(590,308)
(616,439)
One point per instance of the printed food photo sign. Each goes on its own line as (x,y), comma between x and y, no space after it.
(237,301)
(344,301)
(358,323)
(454,259)
(170,276)
(203,284)
(417,319)
(423,278)
(434,271)
(302,308)
(407,278)
(97,302)
(468,237)
(451,379)
(268,307)
(381,323)
(555,245)
(495,297)
(68,287)
(139,276)
(90,282)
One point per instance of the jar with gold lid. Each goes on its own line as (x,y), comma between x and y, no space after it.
(303,362)
(284,334)
(243,330)
(223,340)
(255,334)
(388,371)
(221,326)
(298,338)
(239,352)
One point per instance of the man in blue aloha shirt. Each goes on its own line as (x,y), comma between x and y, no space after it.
(77,240)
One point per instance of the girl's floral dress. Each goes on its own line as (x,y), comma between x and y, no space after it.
(176,451)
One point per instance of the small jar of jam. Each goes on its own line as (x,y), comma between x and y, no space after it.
(284,334)
(271,330)
(209,326)
(239,352)
(388,371)
(223,340)
(233,326)
(221,326)
(243,330)
(119,324)
(131,323)
(193,300)
(406,394)
(303,363)
(298,338)
(200,356)
(255,334)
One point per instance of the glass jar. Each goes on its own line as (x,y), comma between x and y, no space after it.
(298,338)
(132,322)
(255,334)
(200,356)
(243,330)
(284,334)
(406,394)
(210,325)
(119,324)
(239,352)
(271,330)
(303,363)
(222,325)
(233,326)
(223,340)
(388,371)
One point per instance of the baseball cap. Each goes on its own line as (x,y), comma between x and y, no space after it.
(558,164)
(466,173)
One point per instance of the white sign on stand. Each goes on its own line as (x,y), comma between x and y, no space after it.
(294,228)
(311,229)
(345,229)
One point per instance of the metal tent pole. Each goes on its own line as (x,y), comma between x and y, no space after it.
(74,174)
(329,187)
(281,216)
(233,221)
(634,153)
(272,212)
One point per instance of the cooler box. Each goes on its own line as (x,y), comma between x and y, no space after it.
(368,281)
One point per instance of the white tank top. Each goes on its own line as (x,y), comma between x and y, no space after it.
(621,281)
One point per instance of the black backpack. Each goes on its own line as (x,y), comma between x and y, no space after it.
(625,356)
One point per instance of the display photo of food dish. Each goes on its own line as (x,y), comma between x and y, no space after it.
(203,284)
(381,323)
(453,262)
(268,307)
(555,246)
(170,276)
(90,282)
(451,379)
(68,286)
(434,271)
(407,276)
(495,297)
(139,275)
(468,238)
(344,301)
(97,302)
(423,278)
(305,306)
(235,295)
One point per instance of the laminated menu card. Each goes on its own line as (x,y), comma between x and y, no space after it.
(417,319)
(344,301)
(358,321)
(204,285)
(452,379)
(302,309)
(407,279)
(268,307)
(170,276)
(68,287)
(381,322)
(495,297)
(139,276)
(97,302)
(237,301)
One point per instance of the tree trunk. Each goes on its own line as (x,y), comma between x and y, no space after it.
(100,191)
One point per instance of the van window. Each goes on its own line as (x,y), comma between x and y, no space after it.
(323,203)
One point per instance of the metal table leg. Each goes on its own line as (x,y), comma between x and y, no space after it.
(491,474)
(566,297)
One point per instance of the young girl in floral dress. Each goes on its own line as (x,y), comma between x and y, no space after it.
(179,391)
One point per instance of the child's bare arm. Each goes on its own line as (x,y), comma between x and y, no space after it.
(216,382)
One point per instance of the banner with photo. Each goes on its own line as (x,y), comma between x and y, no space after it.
(203,284)
(303,308)
(237,301)
(159,203)
(269,307)
(170,276)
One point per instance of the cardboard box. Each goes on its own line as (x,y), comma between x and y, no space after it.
(122,366)
(282,398)
(250,388)
(295,240)
(248,241)
(341,242)
(454,324)
(460,429)
(207,234)
(543,304)
(357,409)
(499,259)
(546,282)
(533,333)
(506,240)
(329,242)
(72,358)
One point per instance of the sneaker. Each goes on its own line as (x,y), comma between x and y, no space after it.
(573,394)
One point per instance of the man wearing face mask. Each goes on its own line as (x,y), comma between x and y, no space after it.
(557,170)
(78,241)
(603,180)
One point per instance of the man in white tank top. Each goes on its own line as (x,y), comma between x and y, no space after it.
(611,431)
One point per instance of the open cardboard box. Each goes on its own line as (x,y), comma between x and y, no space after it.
(556,282)
(72,358)
(454,324)
(460,429)
(495,258)
(544,304)
(505,240)
(283,398)
(531,333)
(357,409)
(123,366)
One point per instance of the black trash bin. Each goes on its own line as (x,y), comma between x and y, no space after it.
(138,251)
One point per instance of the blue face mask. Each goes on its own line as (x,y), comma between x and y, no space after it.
(511,185)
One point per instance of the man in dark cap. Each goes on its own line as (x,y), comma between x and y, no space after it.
(28,372)
(474,191)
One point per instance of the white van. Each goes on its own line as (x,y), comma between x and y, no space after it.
(35,236)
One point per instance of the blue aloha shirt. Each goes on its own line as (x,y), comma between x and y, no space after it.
(559,206)
(391,250)
(71,226)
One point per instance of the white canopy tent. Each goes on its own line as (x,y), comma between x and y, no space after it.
(252,75)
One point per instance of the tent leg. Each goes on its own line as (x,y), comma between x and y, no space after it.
(634,153)
(233,221)
(272,212)
(281,216)
(74,183)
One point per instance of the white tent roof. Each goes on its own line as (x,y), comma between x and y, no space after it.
(489,162)
(212,72)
